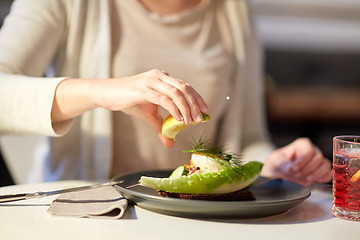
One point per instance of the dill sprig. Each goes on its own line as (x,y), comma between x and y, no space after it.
(204,146)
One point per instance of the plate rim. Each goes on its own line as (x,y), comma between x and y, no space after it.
(193,203)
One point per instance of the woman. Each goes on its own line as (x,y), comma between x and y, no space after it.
(94,46)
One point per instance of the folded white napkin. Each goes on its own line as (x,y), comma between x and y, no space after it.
(104,202)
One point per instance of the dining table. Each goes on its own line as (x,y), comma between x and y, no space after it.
(30,219)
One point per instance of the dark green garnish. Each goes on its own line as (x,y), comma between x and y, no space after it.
(204,146)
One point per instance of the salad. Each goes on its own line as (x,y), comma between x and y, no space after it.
(211,171)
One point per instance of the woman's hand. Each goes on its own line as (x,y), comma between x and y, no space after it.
(300,161)
(139,95)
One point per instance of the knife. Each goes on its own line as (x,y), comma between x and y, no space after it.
(26,196)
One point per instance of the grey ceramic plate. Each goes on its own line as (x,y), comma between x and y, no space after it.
(272,197)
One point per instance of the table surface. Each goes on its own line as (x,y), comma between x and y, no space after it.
(30,220)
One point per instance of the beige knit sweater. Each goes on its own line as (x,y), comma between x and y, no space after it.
(76,39)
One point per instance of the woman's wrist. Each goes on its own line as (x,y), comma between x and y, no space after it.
(72,98)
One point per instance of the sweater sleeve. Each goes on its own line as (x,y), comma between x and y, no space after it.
(25,105)
(29,39)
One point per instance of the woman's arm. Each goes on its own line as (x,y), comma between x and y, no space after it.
(76,96)
(29,40)
(139,95)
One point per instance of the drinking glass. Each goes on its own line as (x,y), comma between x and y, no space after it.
(346,177)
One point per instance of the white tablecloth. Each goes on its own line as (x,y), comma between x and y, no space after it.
(29,219)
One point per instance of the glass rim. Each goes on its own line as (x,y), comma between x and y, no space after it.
(347,139)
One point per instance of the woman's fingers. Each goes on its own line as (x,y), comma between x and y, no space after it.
(166,141)
(312,163)
(164,101)
(155,120)
(300,161)
(201,103)
(322,173)
(184,96)
(304,152)
(156,87)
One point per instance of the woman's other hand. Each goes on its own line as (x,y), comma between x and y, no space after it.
(300,161)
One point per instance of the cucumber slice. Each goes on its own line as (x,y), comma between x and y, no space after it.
(178,172)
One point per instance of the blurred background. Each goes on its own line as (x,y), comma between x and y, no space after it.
(312,64)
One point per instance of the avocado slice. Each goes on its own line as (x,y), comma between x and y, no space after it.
(178,172)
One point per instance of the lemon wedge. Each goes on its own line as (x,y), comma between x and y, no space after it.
(355,177)
(171,127)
